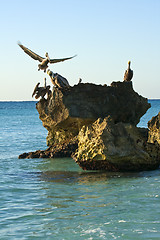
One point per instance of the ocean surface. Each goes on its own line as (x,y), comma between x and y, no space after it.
(55,199)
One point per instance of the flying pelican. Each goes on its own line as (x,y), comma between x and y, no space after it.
(43,61)
(128,73)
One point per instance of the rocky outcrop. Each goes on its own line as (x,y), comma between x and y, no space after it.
(96,125)
(154,130)
(70,108)
(115,147)
(61,150)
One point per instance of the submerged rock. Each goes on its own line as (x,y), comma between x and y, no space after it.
(106,145)
(65,149)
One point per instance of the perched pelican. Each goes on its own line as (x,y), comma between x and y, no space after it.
(40,91)
(80,80)
(128,73)
(44,61)
(57,80)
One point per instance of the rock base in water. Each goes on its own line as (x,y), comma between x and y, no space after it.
(65,149)
(105,145)
(103,165)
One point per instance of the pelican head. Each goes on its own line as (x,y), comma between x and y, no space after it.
(47,56)
(49,72)
(129,63)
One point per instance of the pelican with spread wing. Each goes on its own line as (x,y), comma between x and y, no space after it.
(43,61)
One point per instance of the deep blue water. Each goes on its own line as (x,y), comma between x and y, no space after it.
(55,199)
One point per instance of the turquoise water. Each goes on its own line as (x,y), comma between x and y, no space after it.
(55,199)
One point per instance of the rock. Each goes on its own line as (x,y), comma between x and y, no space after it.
(70,108)
(65,149)
(113,142)
(154,130)
(23,155)
(106,145)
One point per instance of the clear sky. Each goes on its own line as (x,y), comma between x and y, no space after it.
(104,34)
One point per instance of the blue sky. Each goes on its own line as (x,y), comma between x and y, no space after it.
(104,34)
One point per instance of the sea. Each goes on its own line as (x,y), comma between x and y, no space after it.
(56,199)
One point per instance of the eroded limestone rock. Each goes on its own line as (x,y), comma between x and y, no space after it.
(154,129)
(70,108)
(113,142)
(106,145)
(61,150)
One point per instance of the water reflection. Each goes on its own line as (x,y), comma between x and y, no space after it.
(90,177)
(65,170)
(72,176)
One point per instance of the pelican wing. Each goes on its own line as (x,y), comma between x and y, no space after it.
(35,89)
(61,59)
(31,53)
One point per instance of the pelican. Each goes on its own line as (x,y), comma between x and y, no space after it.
(80,80)
(40,91)
(43,61)
(128,73)
(57,80)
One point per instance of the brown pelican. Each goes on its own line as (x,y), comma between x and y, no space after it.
(40,91)
(43,61)
(57,79)
(128,73)
(80,80)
